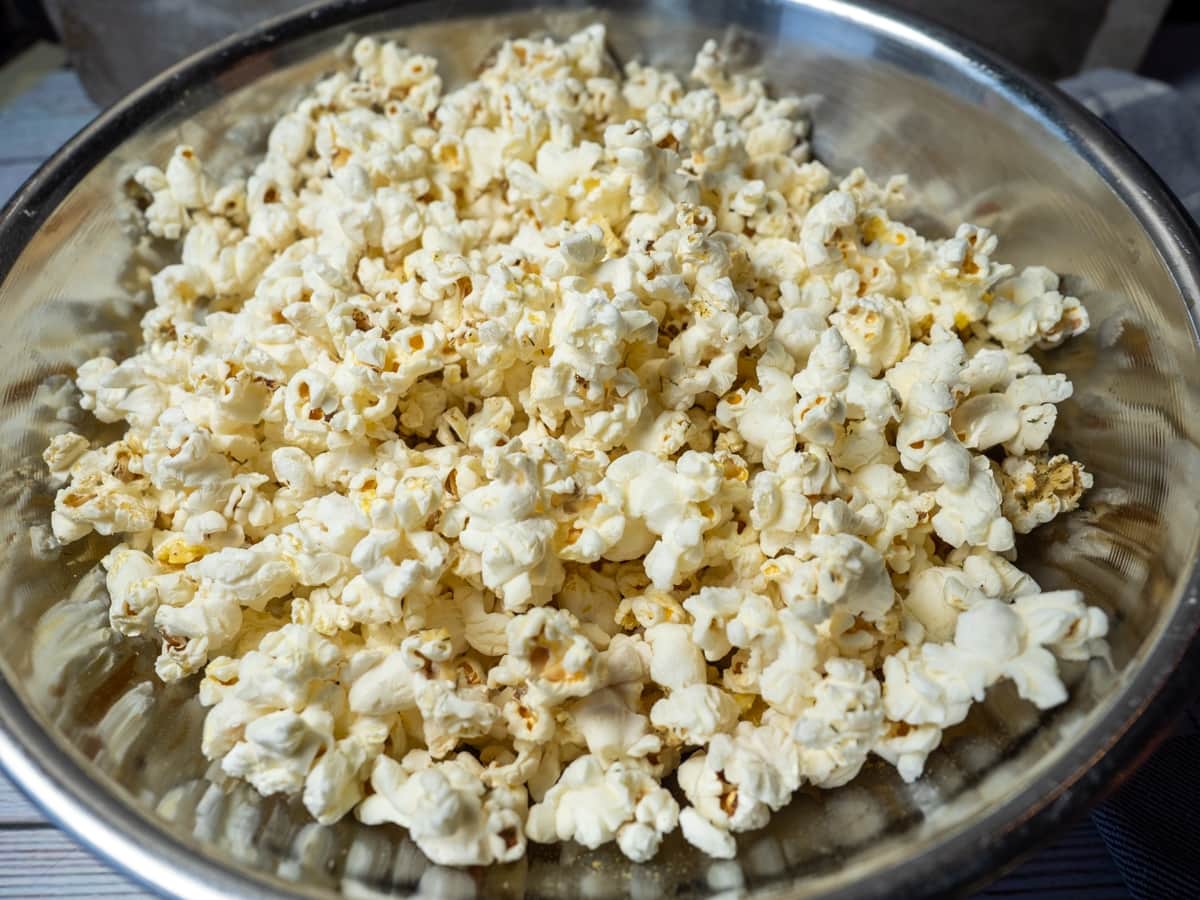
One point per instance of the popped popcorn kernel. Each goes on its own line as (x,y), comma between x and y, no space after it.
(1038,488)
(496,452)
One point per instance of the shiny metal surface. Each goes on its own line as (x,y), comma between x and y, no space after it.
(114,757)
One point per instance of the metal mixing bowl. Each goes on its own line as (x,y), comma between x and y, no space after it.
(114,756)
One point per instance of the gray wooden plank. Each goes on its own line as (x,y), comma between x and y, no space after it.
(14,808)
(39,121)
(46,863)
(26,69)
(43,862)
(37,860)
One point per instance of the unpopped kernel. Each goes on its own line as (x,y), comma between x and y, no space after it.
(569,456)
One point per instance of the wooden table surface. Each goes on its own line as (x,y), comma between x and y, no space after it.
(41,106)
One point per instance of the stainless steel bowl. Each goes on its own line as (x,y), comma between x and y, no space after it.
(114,757)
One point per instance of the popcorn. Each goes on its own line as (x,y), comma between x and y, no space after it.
(668,500)
(396,570)
(834,211)
(952,288)
(877,330)
(252,576)
(703,834)
(695,714)
(971,515)
(174,194)
(104,496)
(851,575)
(711,610)
(935,598)
(781,510)
(675,662)
(548,655)
(1060,620)
(781,663)
(277,711)
(908,748)
(1029,310)
(492,455)
(927,381)
(763,417)
(512,541)
(278,749)
(736,784)
(485,631)
(333,786)
(611,728)
(383,684)
(1021,417)
(138,585)
(452,816)
(836,733)
(899,515)
(934,685)
(62,453)
(593,805)
(1036,489)
(454,709)
(825,376)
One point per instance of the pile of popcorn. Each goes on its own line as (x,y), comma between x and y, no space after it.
(570,457)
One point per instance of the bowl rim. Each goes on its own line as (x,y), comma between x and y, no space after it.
(55,779)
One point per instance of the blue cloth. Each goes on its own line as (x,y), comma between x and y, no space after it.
(1159,122)
(1151,826)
